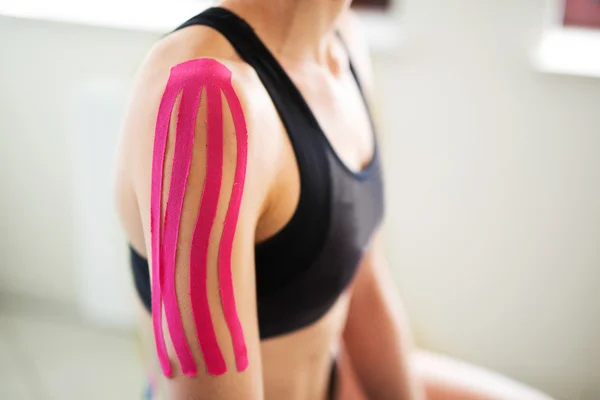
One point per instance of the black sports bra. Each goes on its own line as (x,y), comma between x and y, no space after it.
(303,269)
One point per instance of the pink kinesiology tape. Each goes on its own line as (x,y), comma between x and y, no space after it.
(215,364)
(226,247)
(158,160)
(189,79)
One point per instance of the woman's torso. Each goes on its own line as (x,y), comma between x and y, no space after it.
(297,352)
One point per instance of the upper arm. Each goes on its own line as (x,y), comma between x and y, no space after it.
(377,312)
(374,278)
(375,296)
(203,203)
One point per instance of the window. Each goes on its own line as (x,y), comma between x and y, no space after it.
(582,13)
(564,47)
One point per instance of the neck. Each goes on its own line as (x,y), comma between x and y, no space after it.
(295,30)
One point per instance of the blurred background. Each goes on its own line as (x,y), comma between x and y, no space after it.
(489,119)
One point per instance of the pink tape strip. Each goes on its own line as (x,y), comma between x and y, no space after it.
(158,160)
(186,122)
(225,250)
(215,363)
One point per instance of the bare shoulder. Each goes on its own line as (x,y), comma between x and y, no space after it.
(352,31)
(178,52)
(192,54)
(195,55)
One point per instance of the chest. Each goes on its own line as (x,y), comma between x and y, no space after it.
(343,118)
(338,106)
(326,200)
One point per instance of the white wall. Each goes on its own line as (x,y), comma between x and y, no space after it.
(494,193)
(493,201)
(63,91)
